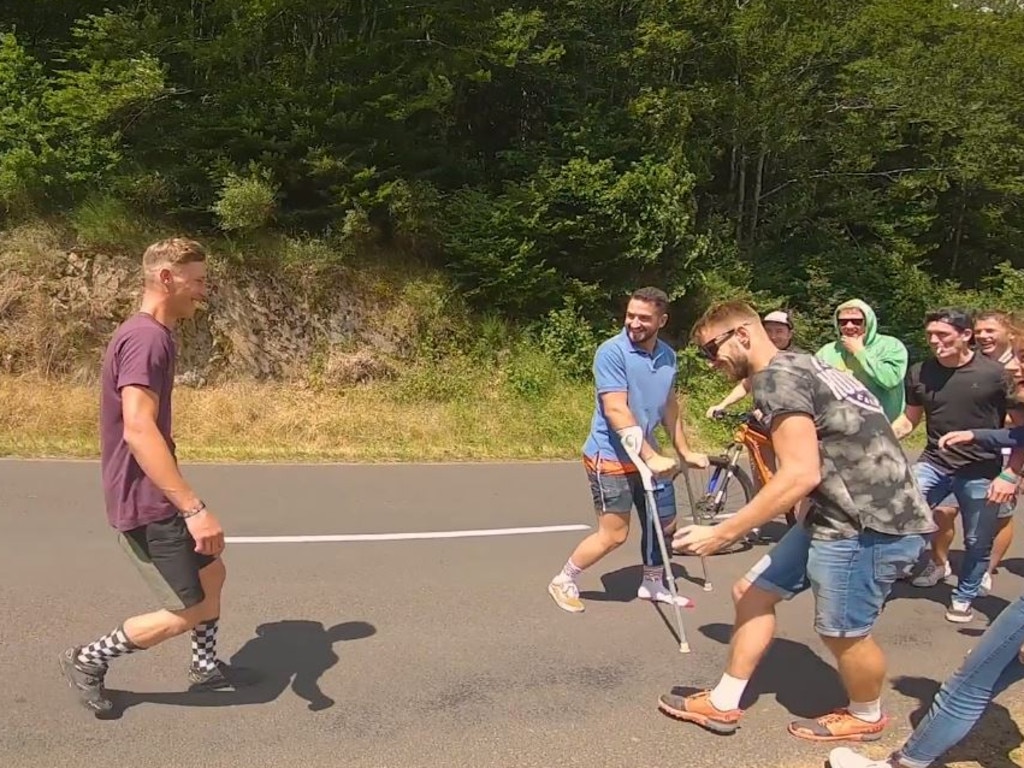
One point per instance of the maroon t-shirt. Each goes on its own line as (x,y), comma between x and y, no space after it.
(141,353)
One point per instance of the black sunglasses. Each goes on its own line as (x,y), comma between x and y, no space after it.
(709,351)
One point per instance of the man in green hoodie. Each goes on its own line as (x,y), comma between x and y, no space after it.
(876,360)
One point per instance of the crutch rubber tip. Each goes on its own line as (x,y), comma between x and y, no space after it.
(707,587)
(684,647)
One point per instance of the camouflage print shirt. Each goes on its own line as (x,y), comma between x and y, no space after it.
(866,479)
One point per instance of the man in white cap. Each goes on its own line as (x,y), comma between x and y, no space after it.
(780,330)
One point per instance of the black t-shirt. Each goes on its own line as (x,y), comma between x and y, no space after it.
(974,396)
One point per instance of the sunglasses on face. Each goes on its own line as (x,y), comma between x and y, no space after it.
(856,321)
(709,351)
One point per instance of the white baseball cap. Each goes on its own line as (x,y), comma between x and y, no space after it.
(778,317)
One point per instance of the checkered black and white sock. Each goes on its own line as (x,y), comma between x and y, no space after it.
(100,652)
(204,646)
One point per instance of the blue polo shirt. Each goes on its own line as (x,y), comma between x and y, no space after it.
(647,379)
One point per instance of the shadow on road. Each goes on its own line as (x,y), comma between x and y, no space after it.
(803,683)
(990,741)
(620,586)
(292,651)
(989,606)
(1014,565)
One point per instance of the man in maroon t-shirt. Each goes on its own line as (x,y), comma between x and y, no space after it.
(163,526)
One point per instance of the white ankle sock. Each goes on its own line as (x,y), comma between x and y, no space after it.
(728,692)
(868,711)
(570,571)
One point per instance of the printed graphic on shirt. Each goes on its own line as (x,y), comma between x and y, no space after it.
(844,386)
(866,479)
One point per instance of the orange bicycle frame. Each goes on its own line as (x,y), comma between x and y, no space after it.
(754,442)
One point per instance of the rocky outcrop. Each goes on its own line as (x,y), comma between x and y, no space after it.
(58,309)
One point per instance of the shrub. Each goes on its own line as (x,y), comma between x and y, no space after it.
(246,203)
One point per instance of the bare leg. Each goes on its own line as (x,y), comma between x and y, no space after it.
(150,629)
(612,531)
(942,539)
(937,569)
(1002,542)
(212,577)
(753,631)
(861,666)
(753,628)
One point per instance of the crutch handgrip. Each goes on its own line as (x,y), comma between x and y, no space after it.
(632,440)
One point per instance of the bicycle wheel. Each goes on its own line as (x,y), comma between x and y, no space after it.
(719,491)
(749,491)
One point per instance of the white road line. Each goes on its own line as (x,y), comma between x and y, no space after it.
(326,463)
(402,536)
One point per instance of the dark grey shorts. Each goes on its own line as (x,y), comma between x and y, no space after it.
(618,494)
(164,553)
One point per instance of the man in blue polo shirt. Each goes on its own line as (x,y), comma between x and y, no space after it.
(635,375)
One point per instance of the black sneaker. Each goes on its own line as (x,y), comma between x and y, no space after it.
(222,677)
(86,680)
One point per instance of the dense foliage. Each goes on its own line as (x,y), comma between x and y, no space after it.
(551,156)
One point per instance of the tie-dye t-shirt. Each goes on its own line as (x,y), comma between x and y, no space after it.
(866,479)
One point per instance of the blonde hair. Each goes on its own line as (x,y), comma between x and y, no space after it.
(721,313)
(172,252)
(1005,319)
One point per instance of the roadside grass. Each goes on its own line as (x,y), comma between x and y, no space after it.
(427,414)
(278,422)
(467,388)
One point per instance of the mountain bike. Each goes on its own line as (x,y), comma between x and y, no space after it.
(752,439)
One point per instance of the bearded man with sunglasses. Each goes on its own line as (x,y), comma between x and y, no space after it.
(866,522)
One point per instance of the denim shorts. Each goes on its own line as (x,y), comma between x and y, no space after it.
(618,494)
(850,578)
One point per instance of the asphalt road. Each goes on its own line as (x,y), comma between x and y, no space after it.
(428,653)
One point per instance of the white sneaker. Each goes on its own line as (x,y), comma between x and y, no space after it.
(959,612)
(933,574)
(986,585)
(657,591)
(844,757)
(566,594)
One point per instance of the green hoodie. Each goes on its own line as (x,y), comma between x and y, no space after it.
(880,366)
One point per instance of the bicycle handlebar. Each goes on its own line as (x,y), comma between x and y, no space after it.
(744,417)
(749,418)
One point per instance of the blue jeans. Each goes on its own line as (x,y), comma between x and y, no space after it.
(850,578)
(991,667)
(979,521)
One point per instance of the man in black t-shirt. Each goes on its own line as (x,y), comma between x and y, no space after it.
(958,389)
